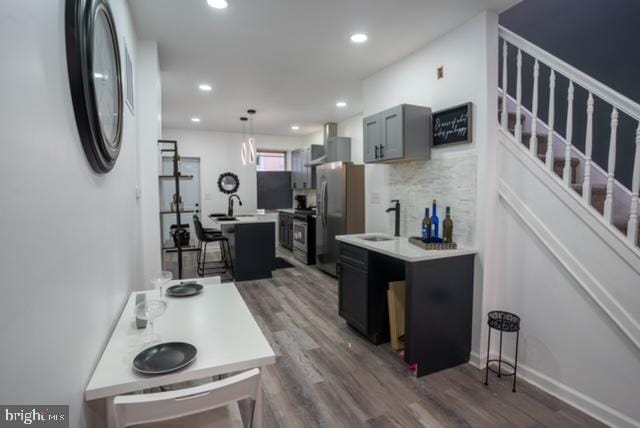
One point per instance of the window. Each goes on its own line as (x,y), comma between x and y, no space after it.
(271,161)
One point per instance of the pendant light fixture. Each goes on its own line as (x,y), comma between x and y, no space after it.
(252,141)
(243,152)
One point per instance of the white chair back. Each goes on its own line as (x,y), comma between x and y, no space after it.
(161,406)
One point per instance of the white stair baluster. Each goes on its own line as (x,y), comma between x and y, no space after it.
(632,228)
(552,113)
(566,173)
(608,202)
(533,142)
(504,117)
(518,127)
(586,186)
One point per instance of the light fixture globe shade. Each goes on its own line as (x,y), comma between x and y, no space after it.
(252,150)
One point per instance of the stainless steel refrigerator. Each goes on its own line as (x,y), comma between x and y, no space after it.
(340,202)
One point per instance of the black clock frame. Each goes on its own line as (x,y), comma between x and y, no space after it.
(79,27)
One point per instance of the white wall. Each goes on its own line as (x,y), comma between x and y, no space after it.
(71,237)
(220,152)
(456,175)
(569,343)
(149,118)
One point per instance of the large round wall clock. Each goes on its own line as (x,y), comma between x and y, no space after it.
(93,60)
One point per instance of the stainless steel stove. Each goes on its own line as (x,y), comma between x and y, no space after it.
(304,243)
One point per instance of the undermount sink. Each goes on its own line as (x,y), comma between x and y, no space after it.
(376,238)
(226,218)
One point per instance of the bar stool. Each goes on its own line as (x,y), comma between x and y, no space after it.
(504,322)
(206,236)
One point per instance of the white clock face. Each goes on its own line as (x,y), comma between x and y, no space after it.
(105,78)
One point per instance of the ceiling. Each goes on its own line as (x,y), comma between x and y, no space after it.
(289,59)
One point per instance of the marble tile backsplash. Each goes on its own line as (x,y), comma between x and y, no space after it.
(451,181)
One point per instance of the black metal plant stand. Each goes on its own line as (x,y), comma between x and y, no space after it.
(504,322)
(176,176)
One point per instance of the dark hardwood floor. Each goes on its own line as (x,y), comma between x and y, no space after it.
(326,375)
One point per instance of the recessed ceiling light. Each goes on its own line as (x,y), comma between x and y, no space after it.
(359,38)
(341,104)
(195,119)
(295,127)
(204,87)
(218,4)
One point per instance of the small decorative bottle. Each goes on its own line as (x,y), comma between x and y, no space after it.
(426,226)
(447,227)
(435,221)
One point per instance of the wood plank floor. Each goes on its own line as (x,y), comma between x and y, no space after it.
(326,375)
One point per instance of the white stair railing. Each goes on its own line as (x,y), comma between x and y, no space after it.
(632,228)
(533,143)
(618,103)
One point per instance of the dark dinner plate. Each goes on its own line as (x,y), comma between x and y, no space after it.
(184,290)
(164,358)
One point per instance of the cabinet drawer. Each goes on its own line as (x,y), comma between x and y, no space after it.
(352,255)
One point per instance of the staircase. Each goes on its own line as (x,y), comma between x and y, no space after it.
(595,185)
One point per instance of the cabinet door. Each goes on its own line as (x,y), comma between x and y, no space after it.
(295,156)
(392,139)
(289,232)
(372,134)
(281,233)
(306,171)
(353,299)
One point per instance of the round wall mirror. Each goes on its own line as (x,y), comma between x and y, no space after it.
(228,183)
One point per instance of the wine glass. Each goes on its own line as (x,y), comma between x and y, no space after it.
(159,279)
(149,310)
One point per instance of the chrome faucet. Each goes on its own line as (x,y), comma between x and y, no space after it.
(230,210)
(396,208)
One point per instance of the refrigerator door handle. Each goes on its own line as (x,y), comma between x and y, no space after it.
(324,205)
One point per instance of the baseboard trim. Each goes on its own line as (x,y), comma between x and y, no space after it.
(585,404)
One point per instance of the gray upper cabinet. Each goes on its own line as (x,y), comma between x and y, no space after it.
(372,135)
(403,132)
(304,177)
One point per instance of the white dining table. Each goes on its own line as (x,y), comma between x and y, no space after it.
(216,321)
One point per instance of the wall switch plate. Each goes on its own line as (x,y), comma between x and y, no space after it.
(208,197)
(375,198)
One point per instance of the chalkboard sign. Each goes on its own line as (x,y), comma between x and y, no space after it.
(453,125)
(274,190)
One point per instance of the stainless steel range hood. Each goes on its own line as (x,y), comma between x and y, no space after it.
(335,148)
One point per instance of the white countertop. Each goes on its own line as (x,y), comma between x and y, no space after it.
(216,321)
(287,210)
(240,219)
(401,248)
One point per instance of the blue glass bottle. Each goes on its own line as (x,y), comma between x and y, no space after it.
(435,221)
(426,226)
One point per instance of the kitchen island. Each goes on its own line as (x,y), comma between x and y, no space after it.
(252,244)
(438,296)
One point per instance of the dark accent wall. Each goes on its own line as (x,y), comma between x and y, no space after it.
(598,37)
(274,190)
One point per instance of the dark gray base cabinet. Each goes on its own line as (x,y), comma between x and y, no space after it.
(253,249)
(362,290)
(285,230)
(438,307)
